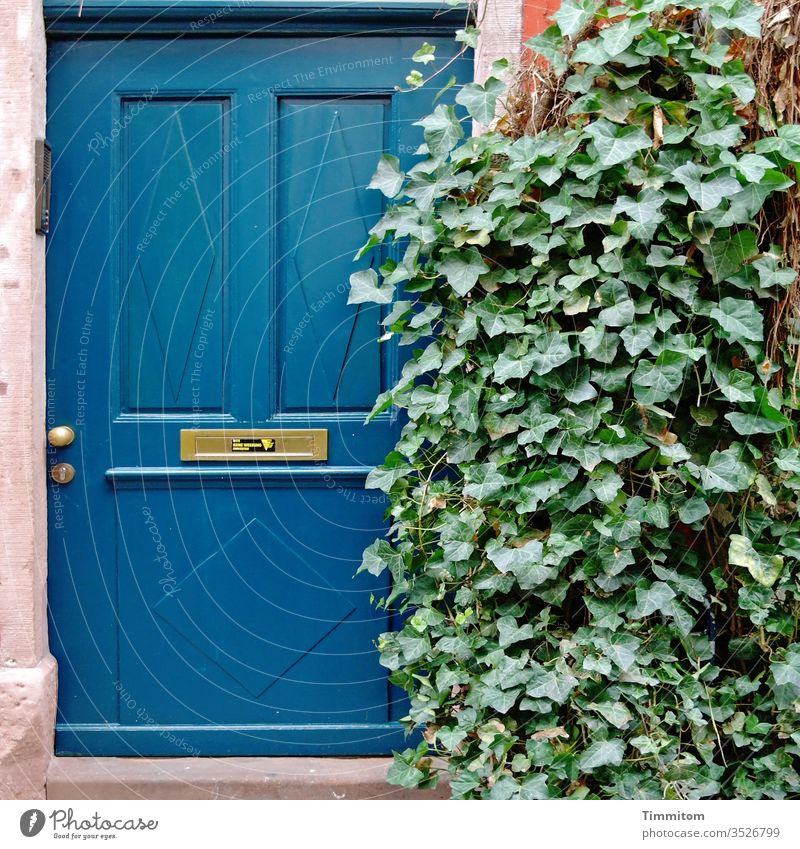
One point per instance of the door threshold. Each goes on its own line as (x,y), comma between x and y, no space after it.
(226,778)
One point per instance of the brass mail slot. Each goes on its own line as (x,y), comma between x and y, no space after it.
(254,445)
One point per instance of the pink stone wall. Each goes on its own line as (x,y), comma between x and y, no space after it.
(27,682)
(500,24)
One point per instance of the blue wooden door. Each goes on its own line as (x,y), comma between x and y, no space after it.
(208,200)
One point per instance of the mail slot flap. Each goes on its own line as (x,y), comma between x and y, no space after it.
(214,445)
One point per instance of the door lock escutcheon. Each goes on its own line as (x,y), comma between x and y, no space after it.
(62,472)
(61,436)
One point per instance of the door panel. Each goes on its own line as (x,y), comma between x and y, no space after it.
(324,212)
(264,623)
(174,167)
(209,196)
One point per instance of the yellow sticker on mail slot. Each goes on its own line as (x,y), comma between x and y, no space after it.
(253,444)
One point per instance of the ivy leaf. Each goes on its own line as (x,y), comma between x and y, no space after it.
(655,597)
(534,787)
(655,382)
(740,319)
(704,416)
(765,570)
(602,753)
(726,253)
(425,54)
(736,385)
(644,212)
(740,83)
(551,684)
(619,36)
(587,212)
(753,167)
(591,52)
(510,632)
(380,555)
(484,481)
(429,400)
(536,487)
(468,36)
(583,269)
(499,700)
(617,448)
(573,15)
(550,351)
(614,712)
(425,189)
(364,289)
(786,676)
(786,143)
(458,538)
(512,363)
(524,562)
(748,424)
(709,135)
(496,320)
(770,273)
(620,648)
(607,488)
(388,177)
(693,510)
(550,46)
(709,194)
(587,454)
(415,79)
(481,100)
(384,477)
(616,144)
(604,613)
(638,336)
(464,406)
(463,269)
(403,774)
(725,472)
(557,207)
(442,130)
(507,558)
(618,315)
(742,15)
(788,460)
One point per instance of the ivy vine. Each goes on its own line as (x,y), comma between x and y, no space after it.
(594,501)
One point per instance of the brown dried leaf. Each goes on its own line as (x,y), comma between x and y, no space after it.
(658,127)
(550,733)
(721,514)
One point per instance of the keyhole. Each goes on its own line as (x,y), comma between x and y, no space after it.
(62,473)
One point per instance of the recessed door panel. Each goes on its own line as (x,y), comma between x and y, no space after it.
(172,210)
(299,643)
(329,146)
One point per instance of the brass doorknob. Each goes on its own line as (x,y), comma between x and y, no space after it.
(60,436)
(62,472)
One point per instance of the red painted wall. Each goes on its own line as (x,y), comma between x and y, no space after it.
(535,16)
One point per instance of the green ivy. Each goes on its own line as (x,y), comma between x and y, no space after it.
(594,502)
